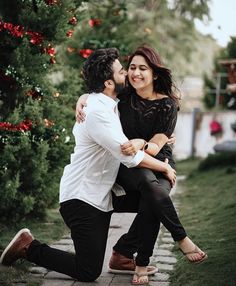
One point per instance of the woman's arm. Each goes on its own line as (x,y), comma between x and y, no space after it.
(81,103)
(156,143)
(151,147)
(164,134)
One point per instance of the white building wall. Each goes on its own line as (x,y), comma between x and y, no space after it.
(204,141)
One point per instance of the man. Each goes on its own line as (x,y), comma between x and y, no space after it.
(86,184)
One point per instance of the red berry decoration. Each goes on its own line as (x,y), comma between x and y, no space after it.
(95,22)
(85,53)
(73,21)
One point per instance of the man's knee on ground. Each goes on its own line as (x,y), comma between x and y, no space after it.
(89,273)
(88,276)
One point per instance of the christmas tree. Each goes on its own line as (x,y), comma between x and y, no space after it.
(33,132)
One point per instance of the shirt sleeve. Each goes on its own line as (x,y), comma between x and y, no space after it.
(168,119)
(105,129)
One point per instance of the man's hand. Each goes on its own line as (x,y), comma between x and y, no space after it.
(81,103)
(170,173)
(171,140)
(131,147)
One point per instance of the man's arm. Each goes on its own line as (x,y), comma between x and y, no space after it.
(106,130)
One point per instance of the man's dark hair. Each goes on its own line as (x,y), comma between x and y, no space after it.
(98,68)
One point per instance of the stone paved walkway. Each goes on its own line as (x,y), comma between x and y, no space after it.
(163,257)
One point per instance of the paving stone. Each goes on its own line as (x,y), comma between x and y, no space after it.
(107,274)
(181,178)
(167,259)
(167,239)
(167,234)
(36,275)
(163,252)
(57,276)
(50,282)
(66,236)
(166,246)
(120,280)
(160,277)
(101,281)
(153,283)
(162,267)
(64,241)
(64,247)
(38,270)
(88,284)
(177,205)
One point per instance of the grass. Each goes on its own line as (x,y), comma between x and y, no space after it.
(49,230)
(185,167)
(208,212)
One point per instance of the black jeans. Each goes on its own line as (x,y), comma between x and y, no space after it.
(155,206)
(89,229)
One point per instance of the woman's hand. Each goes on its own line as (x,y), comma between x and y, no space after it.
(170,173)
(81,103)
(171,140)
(131,147)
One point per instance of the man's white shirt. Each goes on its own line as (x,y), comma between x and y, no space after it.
(95,162)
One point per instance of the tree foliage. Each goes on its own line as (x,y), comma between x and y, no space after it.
(227,99)
(43,45)
(33,131)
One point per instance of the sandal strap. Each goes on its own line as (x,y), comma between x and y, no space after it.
(141,275)
(196,250)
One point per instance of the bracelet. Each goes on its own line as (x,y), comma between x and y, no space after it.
(145,145)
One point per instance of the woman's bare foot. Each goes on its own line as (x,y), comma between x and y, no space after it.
(192,252)
(140,277)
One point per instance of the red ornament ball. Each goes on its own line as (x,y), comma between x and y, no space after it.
(95,22)
(73,20)
(69,33)
(50,50)
(51,2)
(85,53)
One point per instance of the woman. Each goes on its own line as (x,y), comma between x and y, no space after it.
(148,111)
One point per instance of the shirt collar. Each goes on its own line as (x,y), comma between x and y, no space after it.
(108,101)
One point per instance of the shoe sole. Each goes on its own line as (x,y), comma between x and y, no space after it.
(12,242)
(115,271)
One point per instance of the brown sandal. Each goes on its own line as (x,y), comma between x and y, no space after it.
(196,250)
(151,270)
(138,282)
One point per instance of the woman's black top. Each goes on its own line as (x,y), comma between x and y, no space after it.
(142,118)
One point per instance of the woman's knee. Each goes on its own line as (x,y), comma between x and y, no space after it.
(154,188)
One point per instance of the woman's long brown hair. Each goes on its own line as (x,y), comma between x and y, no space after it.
(164,82)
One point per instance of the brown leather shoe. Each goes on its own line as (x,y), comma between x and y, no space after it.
(17,247)
(123,265)
(120,262)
